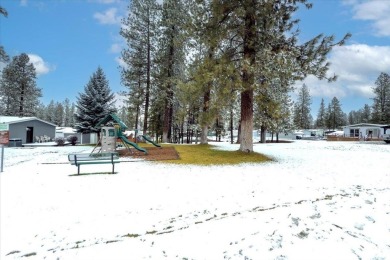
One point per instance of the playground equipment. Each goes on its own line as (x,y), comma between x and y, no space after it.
(147,139)
(108,139)
(111,130)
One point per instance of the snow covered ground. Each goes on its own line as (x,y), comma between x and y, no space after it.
(317,200)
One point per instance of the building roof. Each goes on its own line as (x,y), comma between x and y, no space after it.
(66,130)
(364,124)
(15,119)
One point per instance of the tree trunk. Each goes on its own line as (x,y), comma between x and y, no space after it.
(147,90)
(168,112)
(21,105)
(231,126)
(246,142)
(263,131)
(246,137)
(203,134)
(239,133)
(166,124)
(205,127)
(206,106)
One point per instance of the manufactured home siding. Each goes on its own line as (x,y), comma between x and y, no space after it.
(364,130)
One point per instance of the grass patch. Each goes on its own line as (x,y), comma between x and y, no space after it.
(207,155)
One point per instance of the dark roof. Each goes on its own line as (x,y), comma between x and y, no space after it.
(114,118)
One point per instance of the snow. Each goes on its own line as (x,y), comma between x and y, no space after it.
(316,200)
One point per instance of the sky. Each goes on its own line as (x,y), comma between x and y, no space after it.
(68,39)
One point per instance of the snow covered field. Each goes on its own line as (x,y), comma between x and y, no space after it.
(318,200)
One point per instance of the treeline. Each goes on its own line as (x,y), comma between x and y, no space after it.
(331,116)
(58,113)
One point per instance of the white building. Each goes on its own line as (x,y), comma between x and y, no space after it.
(364,130)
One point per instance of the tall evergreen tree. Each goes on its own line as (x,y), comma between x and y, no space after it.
(302,117)
(95,103)
(41,111)
(268,45)
(140,31)
(335,115)
(18,90)
(381,106)
(366,114)
(272,111)
(68,115)
(171,59)
(353,117)
(321,116)
(50,112)
(59,114)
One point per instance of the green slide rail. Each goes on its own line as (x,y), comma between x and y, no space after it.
(124,139)
(150,141)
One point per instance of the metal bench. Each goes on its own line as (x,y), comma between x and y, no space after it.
(93,158)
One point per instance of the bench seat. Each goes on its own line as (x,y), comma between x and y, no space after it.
(98,158)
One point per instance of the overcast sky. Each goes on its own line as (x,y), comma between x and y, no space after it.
(68,39)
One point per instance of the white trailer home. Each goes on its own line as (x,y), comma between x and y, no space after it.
(364,131)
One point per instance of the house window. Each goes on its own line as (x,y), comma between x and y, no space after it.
(354,132)
(351,132)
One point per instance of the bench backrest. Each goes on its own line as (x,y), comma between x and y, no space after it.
(92,157)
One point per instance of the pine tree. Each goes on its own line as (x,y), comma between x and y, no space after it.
(381,106)
(272,111)
(140,31)
(302,117)
(50,112)
(94,104)
(320,121)
(267,48)
(68,116)
(171,59)
(366,114)
(336,117)
(18,90)
(41,111)
(59,114)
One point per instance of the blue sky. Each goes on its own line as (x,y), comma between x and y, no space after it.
(68,39)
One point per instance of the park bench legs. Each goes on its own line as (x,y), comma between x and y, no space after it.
(78,168)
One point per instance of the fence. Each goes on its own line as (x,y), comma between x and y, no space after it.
(1,157)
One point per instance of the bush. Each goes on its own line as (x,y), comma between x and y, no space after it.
(60,141)
(72,139)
